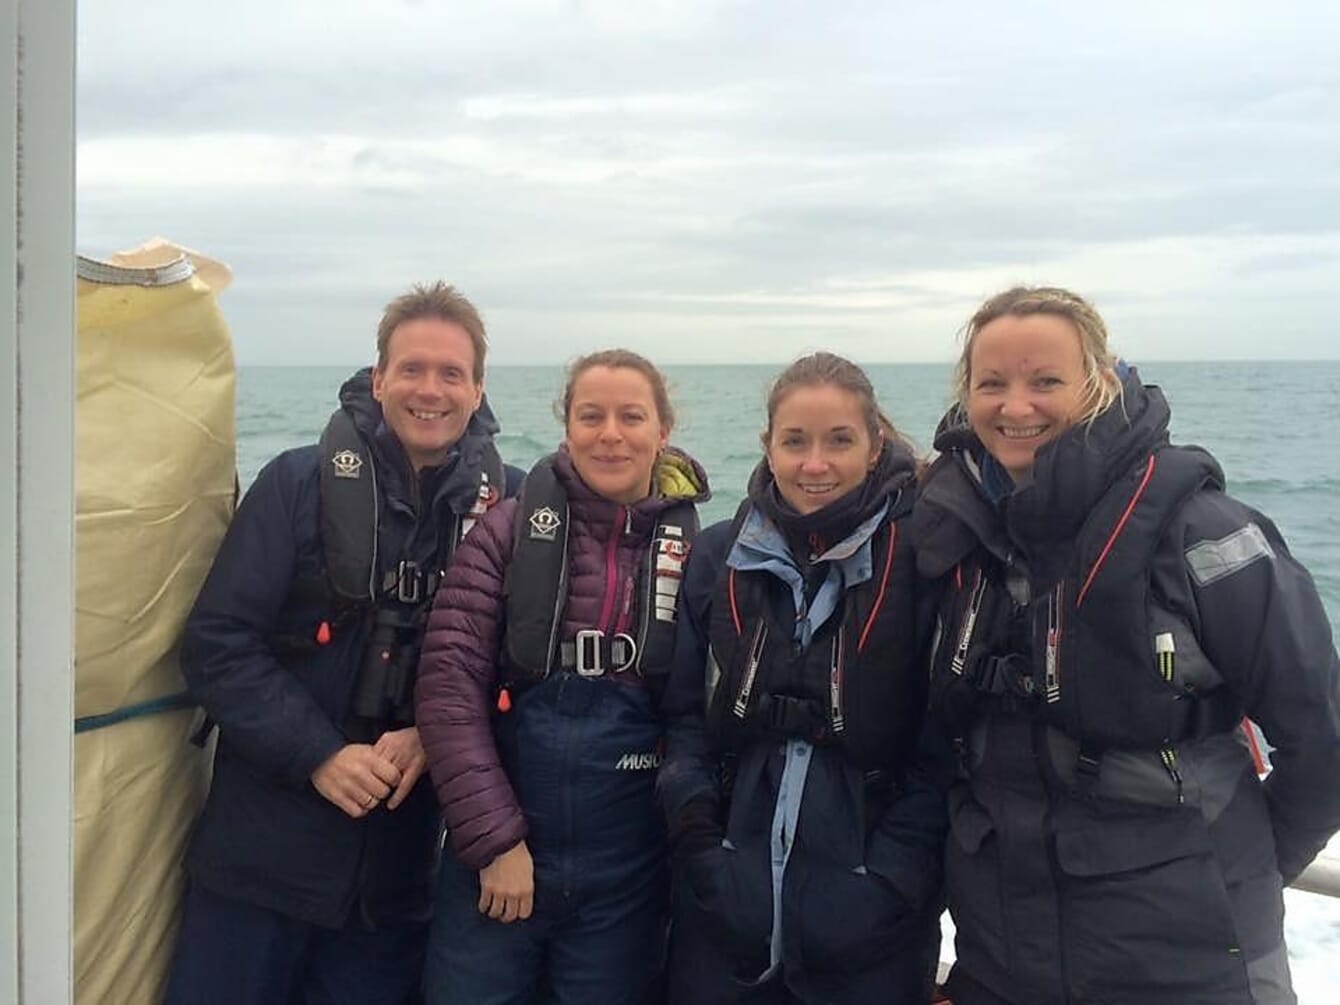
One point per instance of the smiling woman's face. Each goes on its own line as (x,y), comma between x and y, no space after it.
(1025,386)
(614,432)
(819,448)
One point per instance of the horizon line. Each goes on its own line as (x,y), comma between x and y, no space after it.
(784,362)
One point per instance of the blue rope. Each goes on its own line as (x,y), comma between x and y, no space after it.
(168,703)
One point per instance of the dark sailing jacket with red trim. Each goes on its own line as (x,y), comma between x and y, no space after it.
(856,684)
(806,812)
(1102,632)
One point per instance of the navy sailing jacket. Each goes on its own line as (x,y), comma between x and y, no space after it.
(1110,840)
(266,836)
(861,884)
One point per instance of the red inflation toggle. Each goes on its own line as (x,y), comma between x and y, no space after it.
(504,700)
(323,633)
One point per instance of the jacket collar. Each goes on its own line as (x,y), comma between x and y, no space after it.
(760,546)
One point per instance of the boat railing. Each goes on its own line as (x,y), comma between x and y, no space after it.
(1322,876)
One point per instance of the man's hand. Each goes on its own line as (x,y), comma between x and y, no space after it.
(507,885)
(356,777)
(403,749)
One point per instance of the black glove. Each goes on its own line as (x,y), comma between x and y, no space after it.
(694,828)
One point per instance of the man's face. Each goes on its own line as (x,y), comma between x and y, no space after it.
(427,389)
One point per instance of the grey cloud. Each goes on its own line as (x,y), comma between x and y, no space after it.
(1287,262)
(720,166)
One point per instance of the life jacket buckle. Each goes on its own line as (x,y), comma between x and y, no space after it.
(409,584)
(593,647)
(1006,676)
(588,653)
(622,644)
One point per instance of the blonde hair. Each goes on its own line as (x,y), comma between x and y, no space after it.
(1101,388)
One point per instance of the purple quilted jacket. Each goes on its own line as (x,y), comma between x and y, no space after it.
(459,664)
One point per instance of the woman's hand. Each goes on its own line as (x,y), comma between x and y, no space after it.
(507,885)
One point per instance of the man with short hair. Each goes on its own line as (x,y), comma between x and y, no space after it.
(310,863)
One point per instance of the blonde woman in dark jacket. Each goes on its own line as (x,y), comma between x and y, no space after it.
(1109,616)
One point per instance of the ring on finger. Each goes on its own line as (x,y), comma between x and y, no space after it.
(370,802)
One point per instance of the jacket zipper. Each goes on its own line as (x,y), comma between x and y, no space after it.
(712,679)
(1054,627)
(629,589)
(936,639)
(1169,758)
(969,623)
(612,570)
(751,669)
(629,586)
(1037,733)
(835,684)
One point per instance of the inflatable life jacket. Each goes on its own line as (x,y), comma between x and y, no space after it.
(856,685)
(1094,653)
(358,585)
(536,588)
(350,520)
(360,582)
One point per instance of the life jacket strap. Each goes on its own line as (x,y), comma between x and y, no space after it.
(1004,675)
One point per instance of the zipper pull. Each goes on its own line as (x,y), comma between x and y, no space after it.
(835,685)
(627,522)
(750,670)
(1052,662)
(1169,757)
(627,598)
(960,660)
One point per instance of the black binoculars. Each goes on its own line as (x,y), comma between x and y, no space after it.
(385,689)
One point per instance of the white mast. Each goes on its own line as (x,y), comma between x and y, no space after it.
(36,498)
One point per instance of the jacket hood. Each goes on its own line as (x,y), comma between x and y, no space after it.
(681,478)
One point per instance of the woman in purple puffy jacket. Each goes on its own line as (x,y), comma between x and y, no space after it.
(536,703)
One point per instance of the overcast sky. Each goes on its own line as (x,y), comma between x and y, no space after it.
(727,181)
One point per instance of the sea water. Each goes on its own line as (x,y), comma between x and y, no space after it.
(1272,425)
